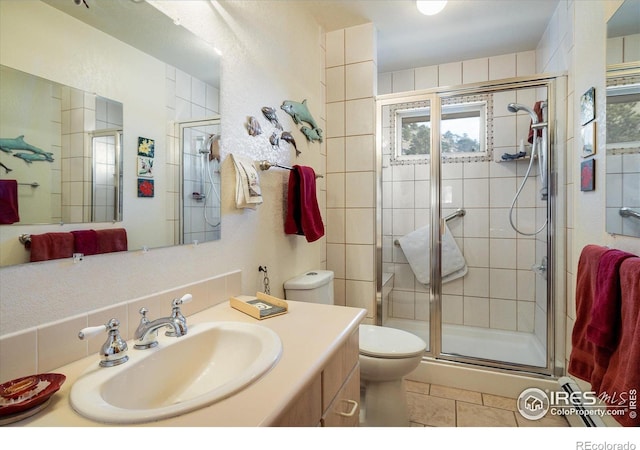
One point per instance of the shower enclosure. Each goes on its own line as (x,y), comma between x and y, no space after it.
(467,220)
(200,193)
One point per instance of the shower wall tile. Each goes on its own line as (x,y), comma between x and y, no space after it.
(360,116)
(526,289)
(503,253)
(422,308)
(359,228)
(334,48)
(355,256)
(426,77)
(503,314)
(403,81)
(526,316)
(502,284)
(360,44)
(450,74)
(502,66)
(476,312)
(360,153)
(335,84)
(335,228)
(476,252)
(336,155)
(403,304)
(475,70)
(452,309)
(360,189)
(475,282)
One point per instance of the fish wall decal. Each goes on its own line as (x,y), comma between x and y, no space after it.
(288,137)
(253,126)
(7,145)
(270,114)
(300,113)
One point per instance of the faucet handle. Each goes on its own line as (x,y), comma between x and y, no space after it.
(114,349)
(186,298)
(176,314)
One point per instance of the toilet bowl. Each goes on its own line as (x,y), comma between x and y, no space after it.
(387,355)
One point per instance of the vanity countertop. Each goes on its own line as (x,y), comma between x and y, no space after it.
(310,334)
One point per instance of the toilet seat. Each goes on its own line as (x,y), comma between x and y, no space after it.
(384,342)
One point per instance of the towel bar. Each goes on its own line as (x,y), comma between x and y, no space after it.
(628,212)
(266,165)
(25,239)
(35,184)
(457,213)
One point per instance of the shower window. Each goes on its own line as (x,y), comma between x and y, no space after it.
(465,125)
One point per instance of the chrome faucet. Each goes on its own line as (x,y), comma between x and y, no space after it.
(146,334)
(113,351)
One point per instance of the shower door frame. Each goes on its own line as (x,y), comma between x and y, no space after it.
(556,285)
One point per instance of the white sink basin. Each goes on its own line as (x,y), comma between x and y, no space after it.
(213,361)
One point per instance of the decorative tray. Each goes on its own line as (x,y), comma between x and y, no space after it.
(29,392)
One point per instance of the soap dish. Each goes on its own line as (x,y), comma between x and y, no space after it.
(260,307)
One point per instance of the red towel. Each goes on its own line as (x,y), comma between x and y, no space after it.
(622,376)
(537,108)
(9,202)
(51,246)
(112,240)
(85,242)
(605,312)
(582,362)
(303,214)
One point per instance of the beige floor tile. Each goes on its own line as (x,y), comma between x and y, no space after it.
(470,415)
(455,394)
(546,421)
(416,386)
(431,411)
(495,401)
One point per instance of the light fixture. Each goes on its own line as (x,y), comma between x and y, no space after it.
(430,7)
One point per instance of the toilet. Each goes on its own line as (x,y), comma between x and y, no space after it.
(387,355)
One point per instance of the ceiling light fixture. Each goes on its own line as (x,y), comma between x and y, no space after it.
(430,7)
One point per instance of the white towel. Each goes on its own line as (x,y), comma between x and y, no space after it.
(415,246)
(248,193)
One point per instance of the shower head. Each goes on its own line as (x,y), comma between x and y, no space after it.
(515,107)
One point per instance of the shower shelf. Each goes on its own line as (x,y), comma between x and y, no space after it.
(524,158)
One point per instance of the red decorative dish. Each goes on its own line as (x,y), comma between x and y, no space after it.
(28,392)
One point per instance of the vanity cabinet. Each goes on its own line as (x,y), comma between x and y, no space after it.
(332,398)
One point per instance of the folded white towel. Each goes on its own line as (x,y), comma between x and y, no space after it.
(415,246)
(248,193)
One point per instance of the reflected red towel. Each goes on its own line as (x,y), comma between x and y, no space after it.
(603,329)
(582,360)
(303,214)
(85,242)
(622,376)
(51,246)
(112,240)
(9,202)
(537,108)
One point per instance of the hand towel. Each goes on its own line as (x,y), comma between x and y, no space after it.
(605,320)
(51,246)
(582,361)
(112,240)
(9,202)
(416,248)
(537,108)
(85,242)
(303,213)
(623,372)
(248,193)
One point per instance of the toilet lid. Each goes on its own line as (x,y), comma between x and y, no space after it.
(385,342)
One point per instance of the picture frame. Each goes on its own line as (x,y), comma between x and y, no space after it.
(588,106)
(146,147)
(589,139)
(145,187)
(145,167)
(588,175)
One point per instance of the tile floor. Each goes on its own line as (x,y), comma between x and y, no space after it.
(431,405)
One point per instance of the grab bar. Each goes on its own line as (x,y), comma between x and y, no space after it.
(266,165)
(35,184)
(628,212)
(457,213)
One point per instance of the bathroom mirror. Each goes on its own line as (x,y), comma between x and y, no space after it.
(623,119)
(124,52)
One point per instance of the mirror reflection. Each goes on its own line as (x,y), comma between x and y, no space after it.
(78,175)
(623,121)
(132,58)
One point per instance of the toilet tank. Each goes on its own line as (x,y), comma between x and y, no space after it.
(315,286)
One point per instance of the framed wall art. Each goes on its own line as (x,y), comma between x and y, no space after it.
(588,106)
(589,139)
(588,175)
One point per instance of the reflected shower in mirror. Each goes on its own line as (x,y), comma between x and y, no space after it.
(201,211)
(623,121)
(80,180)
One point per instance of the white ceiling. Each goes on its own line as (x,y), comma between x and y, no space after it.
(465,29)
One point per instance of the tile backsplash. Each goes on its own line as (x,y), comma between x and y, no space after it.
(51,345)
